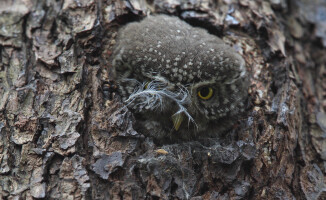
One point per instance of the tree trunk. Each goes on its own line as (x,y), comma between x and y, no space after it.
(63,134)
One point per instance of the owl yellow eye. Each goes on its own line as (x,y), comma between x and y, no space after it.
(205,93)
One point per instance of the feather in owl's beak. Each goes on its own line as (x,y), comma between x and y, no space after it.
(177,120)
(154,93)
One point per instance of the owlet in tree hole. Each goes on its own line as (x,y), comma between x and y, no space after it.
(180,82)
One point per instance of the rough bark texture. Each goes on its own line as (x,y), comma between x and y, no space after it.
(64,136)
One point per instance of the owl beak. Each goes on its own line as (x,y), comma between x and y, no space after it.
(177,120)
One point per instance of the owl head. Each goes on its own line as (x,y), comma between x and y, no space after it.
(180,81)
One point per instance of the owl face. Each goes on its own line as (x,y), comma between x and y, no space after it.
(173,75)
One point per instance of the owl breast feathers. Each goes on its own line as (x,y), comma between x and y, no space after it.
(180,81)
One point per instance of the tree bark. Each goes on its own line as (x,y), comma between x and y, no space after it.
(63,134)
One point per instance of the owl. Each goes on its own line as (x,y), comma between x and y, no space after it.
(181,82)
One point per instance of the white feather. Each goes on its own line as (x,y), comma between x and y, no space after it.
(155,92)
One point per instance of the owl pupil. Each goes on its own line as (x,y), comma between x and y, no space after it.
(204,91)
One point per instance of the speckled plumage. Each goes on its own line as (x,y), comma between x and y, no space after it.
(162,56)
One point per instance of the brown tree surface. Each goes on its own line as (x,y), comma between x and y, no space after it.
(63,135)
